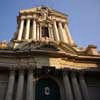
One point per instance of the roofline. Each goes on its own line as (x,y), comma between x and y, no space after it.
(47,7)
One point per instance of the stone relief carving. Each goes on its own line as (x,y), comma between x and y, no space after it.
(43,15)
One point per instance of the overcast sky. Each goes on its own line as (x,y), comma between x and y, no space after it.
(84,18)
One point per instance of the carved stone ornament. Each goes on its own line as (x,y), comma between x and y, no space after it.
(47,91)
(43,15)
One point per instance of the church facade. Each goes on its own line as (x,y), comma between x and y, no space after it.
(42,61)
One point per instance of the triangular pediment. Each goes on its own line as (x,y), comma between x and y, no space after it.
(42,9)
(47,46)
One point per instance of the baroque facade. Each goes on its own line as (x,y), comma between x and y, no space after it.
(42,61)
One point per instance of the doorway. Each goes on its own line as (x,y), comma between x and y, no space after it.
(47,89)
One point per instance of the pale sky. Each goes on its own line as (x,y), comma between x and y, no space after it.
(84,18)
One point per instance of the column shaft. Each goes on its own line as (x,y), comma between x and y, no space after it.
(37,32)
(61,31)
(49,29)
(30,95)
(20,86)
(34,30)
(71,41)
(40,35)
(52,36)
(83,86)
(76,89)
(56,34)
(65,36)
(9,94)
(27,29)
(20,30)
(68,91)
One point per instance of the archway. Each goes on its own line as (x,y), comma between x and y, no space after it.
(47,89)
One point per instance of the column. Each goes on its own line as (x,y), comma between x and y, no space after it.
(56,34)
(49,29)
(61,31)
(71,41)
(76,89)
(37,32)
(27,29)
(66,40)
(52,36)
(11,82)
(68,91)
(34,30)
(30,95)
(20,86)
(21,30)
(40,35)
(83,86)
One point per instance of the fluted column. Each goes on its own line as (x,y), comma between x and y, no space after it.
(27,29)
(10,89)
(30,95)
(21,30)
(37,32)
(68,91)
(20,86)
(56,34)
(83,86)
(34,30)
(71,41)
(77,92)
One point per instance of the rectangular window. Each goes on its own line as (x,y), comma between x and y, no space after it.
(45,32)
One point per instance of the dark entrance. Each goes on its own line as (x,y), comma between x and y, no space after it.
(47,89)
(45,32)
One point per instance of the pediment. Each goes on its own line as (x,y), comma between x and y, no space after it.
(44,46)
(43,10)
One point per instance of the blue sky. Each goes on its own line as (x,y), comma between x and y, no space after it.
(84,18)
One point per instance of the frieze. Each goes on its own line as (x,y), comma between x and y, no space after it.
(70,64)
(38,62)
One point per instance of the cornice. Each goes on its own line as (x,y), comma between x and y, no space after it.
(57,54)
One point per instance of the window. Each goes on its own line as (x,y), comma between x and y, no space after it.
(45,32)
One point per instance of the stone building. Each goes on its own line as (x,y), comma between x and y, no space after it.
(42,61)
